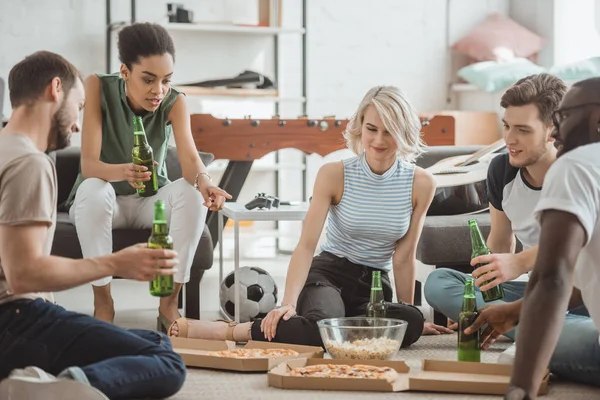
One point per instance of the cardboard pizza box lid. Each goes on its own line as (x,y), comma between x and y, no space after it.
(195,354)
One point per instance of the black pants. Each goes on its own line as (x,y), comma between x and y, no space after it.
(335,288)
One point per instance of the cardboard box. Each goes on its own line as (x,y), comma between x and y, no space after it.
(269,13)
(436,376)
(195,354)
(465,377)
(279,376)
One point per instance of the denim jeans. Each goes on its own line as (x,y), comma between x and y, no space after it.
(445,287)
(336,287)
(121,363)
(577,353)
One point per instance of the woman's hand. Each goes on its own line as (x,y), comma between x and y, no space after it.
(136,175)
(268,325)
(429,328)
(214,196)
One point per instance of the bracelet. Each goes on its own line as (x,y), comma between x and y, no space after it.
(197,176)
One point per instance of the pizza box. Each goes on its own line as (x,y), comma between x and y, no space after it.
(279,376)
(435,376)
(195,354)
(465,377)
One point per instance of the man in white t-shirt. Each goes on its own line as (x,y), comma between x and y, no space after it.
(514,183)
(567,269)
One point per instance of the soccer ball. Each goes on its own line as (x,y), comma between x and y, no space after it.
(257,290)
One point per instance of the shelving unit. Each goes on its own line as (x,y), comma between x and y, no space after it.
(258,94)
(275,96)
(242,94)
(226,28)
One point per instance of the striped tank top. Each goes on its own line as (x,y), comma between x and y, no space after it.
(372,215)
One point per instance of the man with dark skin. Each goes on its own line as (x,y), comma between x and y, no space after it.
(567,270)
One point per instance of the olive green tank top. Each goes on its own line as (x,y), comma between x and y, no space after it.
(117,132)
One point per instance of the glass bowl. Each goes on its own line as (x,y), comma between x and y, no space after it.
(362,338)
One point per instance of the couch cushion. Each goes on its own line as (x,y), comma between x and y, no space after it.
(174,167)
(446,239)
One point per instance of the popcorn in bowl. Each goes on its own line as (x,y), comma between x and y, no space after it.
(380,348)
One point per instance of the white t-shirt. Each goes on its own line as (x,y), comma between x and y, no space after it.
(572,184)
(509,191)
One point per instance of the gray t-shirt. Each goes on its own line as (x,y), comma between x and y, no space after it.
(28,193)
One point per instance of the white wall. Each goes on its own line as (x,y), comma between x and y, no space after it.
(352,46)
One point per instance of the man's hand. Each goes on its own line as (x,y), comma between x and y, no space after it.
(429,328)
(214,196)
(141,263)
(500,318)
(499,268)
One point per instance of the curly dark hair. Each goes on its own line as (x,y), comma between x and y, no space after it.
(143,39)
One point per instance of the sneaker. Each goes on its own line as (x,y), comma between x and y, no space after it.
(508,355)
(33,383)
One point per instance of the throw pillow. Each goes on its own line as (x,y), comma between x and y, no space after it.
(493,76)
(495,32)
(579,70)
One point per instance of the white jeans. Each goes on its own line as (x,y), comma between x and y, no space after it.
(97,210)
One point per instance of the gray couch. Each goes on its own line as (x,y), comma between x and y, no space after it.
(66,243)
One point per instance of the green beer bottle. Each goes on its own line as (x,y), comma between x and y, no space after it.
(160,286)
(479,248)
(142,154)
(376,307)
(468,345)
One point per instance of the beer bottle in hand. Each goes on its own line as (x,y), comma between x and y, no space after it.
(468,345)
(160,286)
(479,249)
(376,307)
(142,155)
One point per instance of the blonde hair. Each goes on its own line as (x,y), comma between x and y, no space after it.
(399,118)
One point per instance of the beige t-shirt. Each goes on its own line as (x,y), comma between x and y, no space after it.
(28,191)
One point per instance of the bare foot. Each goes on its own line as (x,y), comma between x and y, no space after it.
(170,312)
(104,307)
(104,312)
(168,305)
(213,330)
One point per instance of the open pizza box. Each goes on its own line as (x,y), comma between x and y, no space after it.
(435,376)
(195,353)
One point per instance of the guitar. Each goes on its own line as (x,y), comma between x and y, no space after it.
(461,186)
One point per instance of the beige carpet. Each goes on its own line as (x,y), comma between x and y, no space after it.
(208,384)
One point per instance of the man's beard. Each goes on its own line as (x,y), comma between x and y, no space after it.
(578,136)
(60,131)
(539,152)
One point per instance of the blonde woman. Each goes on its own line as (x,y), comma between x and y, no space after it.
(375,205)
